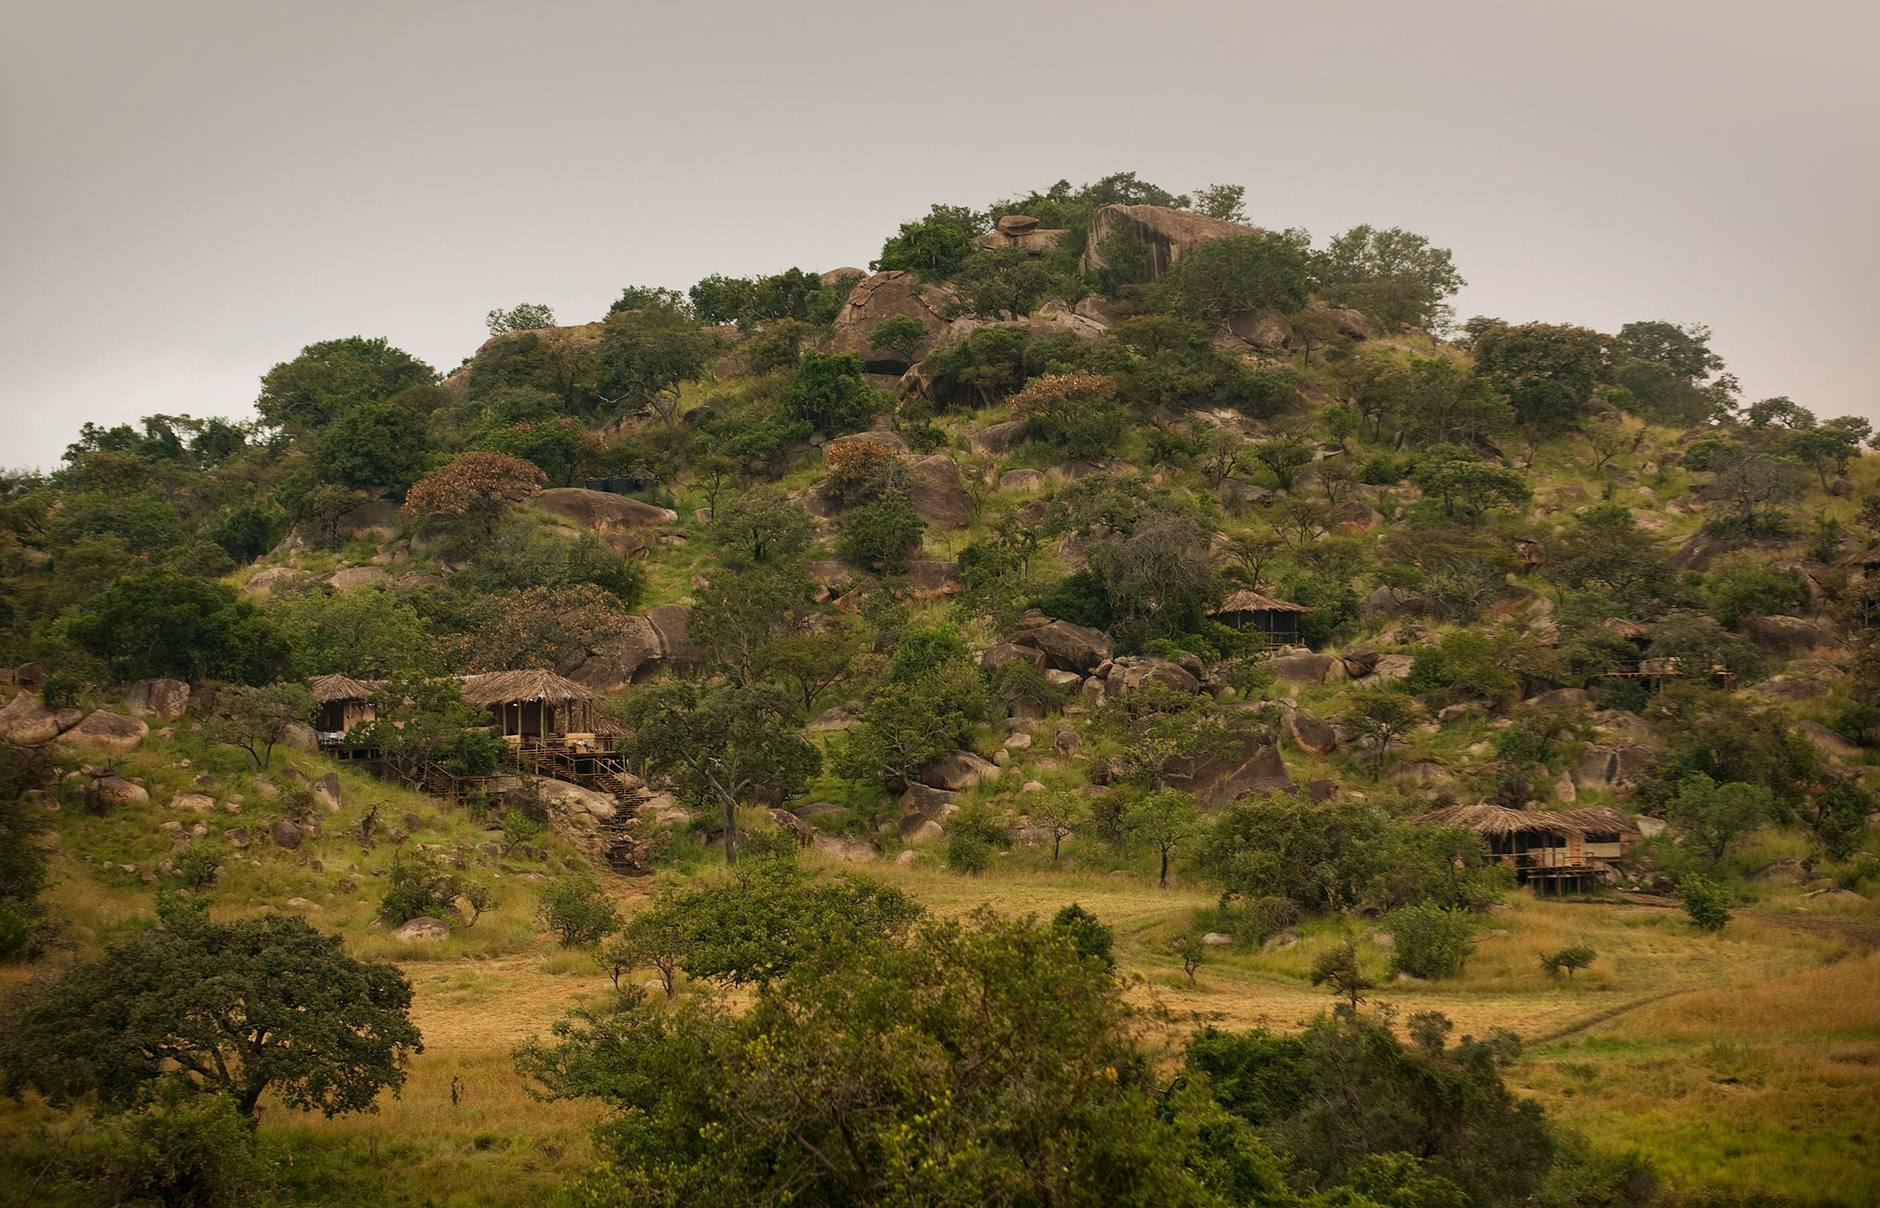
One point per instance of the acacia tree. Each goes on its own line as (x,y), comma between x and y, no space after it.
(1163,819)
(763,524)
(529,316)
(1383,717)
(646,355)
(722,744)
(1059,813)
(237,1008)
(474,487)
(257,719)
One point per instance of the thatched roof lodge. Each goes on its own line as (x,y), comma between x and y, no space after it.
(532,704)
(1275,618)
(1547,845)
(1865,562)
(344,702)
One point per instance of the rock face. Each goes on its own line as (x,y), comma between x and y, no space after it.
(27,723)
(163,699)
(670,622)
(1170,234)
(1350,323)
(1263,328)
(352,578)
(1310,734)
(424,930)
(960,770)
(109,731)
(1066,647)
(1789,636)
(1252,765)
(995,440)
(1393,602)
(623,660)
(1131,672)
(1307,668)
(1827,741)
(600,511)
(1022,480)
(1021,231)
(1619,768)
(936,494)
(880,297)
(571,798)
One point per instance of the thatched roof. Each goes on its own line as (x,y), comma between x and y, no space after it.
(330,688)
(1602,818)
(1865,558)
(505,687)
(1630,630)
(1253,601)
(1487,818)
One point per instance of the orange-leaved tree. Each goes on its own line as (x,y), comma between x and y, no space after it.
(474,488)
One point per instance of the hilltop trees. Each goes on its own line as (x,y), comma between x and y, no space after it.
(526,317)
(331,377)
(475,488)
(1240,272)
(237,1008)
(646,354)
(1392,273)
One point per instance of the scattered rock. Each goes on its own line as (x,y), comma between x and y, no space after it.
(936,494)
(1022,480)
(1252,765)
(352,578)
(1310,734)
(193,803)
(302,904)
(285,834)
(326,791)
(1307,668)
(1066,647)
(1217,939)
(111,791)
(960,770)
(844,849)
(1169,234)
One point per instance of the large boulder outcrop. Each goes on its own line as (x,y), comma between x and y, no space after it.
(1261,328)
(601,511)
(1393,602)
(877,298)
(116,732)
(959,770)
(25,722)
(669,620)
(1307,668)
(1249,764)
(1310,734)
(1620,768)
(1130,673)
(995,440)
(1021,231)
(163,699)
(936,494)
(623,660)
(1789,636)
(1169,234)
(111,791)
(1066,647)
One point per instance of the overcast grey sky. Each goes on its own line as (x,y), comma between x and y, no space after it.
(191,191)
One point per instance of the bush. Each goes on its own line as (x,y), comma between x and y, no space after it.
(1431,941)
(1092,939)
(1570,958)
(188,1148)
(1706,902)
(419,887)
(881,535)
(579,909)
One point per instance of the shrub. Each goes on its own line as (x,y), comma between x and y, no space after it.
(1570,958)
(881,535)
(1093,939)
(1431,941)
(968,853)
(577,908)
(418,887)
(186,1148)
(1706,902)
(1077,412)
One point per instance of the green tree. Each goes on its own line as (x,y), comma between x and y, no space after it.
(377,444)
(1262,270)
(1392,273)
(770,916)
(881,535)
(900,336)
(1466,482)
(812,662)
(1548,371)
(331,377)
(1226,202)
(158,623)
(526,317)
(1832,445)
(1002,283)
(1838,817)
(1338,968)
(1092,938)
(646,355)
(762,524)
(1057,812)
(656,938)
(237,1008)
(1162,731)
(1706,902)
(1381,717)
(1162,820)
(1571,958)
(828,392)
(257,719)
(934,247)
(721,744)
(369,633)
(1190,950)
(578,910)
(1711,815)
(1431,941)
(1284,456)
(1029,1047)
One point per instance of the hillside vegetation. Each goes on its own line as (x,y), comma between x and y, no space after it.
(1046,663)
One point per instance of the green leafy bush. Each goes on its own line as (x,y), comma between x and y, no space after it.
(1430,941)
